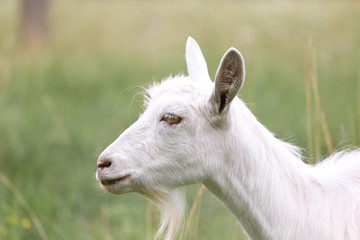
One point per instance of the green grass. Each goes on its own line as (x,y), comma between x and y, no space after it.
(63,103)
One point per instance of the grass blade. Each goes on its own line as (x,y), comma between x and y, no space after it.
(197,201)
(308,105)
(21,199)
(320,115)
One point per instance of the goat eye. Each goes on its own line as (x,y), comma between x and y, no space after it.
(171,119)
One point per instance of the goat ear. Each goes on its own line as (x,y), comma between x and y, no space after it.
(195,61)
(229,79)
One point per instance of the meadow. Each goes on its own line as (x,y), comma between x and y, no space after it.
(63,102)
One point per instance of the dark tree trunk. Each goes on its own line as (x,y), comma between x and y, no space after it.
(34,22)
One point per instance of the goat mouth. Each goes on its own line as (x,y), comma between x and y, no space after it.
(115,180)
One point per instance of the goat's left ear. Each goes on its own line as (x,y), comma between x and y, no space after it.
(229,79)
(195,61)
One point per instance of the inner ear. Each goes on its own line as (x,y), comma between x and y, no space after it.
(222,102)
(229,79)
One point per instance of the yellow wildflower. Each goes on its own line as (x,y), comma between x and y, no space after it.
(13,219)
(26,223)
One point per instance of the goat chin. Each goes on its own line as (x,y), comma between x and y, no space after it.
(171,205)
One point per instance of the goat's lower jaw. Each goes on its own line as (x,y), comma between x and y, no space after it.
(116,180)
(117,185)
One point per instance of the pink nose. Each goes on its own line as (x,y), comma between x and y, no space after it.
(104,162)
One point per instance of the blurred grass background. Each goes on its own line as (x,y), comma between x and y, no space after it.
(62,102)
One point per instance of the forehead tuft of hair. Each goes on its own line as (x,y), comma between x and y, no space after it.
(179,85)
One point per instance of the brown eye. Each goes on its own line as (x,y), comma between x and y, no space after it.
(171,119)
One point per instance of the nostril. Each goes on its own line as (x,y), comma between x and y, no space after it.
(104,163)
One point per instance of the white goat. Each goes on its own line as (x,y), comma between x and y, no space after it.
(194,131)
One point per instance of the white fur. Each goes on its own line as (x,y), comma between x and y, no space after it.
(261,179)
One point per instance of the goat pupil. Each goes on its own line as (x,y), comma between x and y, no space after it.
(171,119)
